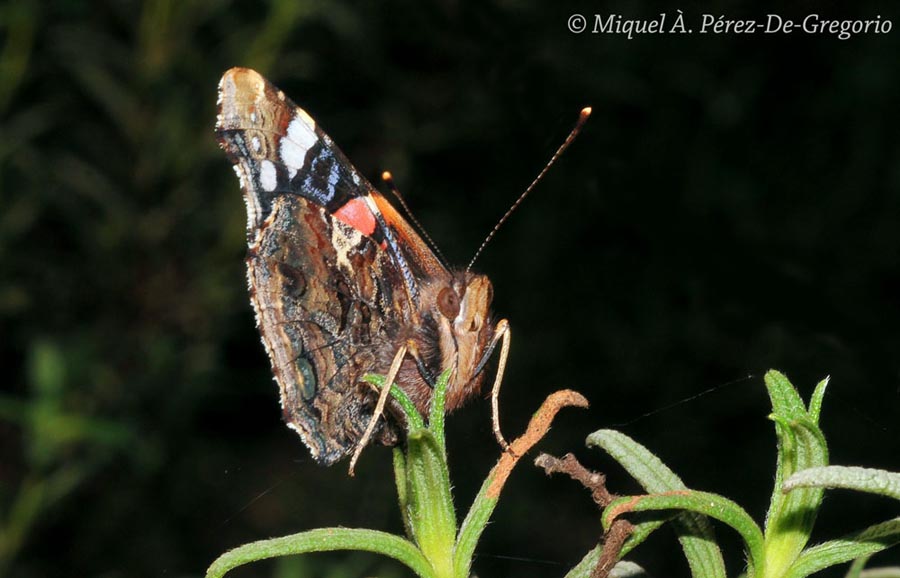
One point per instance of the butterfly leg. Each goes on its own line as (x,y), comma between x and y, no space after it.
(426,374)
(501,334)
(379,407)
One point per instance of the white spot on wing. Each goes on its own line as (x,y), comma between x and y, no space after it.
(267,177)
(300,137)
(257,146)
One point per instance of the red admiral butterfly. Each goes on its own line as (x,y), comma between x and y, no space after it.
(342,285)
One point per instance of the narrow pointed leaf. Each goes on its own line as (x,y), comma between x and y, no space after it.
(867,542)
(436,411)
(784,464)
(414,418)
(705,503)
(788,531)
(402,483)
(786,402)
(473,525)
(815,403)
(869,480)
(429,502)
(787,406)
(801,445)
(857,567)
(694,531)
(325,540)
(649,471)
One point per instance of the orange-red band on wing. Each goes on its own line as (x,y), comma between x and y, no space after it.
(356,214)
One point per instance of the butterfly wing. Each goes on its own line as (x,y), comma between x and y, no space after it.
(333,268)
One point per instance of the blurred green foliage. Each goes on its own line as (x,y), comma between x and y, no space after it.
(732,206)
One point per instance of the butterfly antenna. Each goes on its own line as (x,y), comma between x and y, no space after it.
(388,179)
(582,118)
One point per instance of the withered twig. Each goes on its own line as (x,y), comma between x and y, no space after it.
(615,537)
(569,465)
(612,547)
(537,429)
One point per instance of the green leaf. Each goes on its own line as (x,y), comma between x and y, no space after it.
(413,417)
(789,528)
(786,406)
(784,462)
(694,531)
(869,480)
(801,445)
(857,567)
(325,540)
(867,542)
(436,411)
(786,402)
(402,482)
(429,502)
(472,527)
(815,403)
(649,471)
(705,503)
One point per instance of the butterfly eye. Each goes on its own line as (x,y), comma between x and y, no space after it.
(448,303)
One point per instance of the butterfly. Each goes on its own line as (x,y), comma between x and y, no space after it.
(342,285)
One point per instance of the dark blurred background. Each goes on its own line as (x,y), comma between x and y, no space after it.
(733,205)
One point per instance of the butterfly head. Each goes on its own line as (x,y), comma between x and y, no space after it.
(466,302)
(465,328)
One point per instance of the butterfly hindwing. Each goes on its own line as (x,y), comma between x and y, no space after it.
(320,320)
